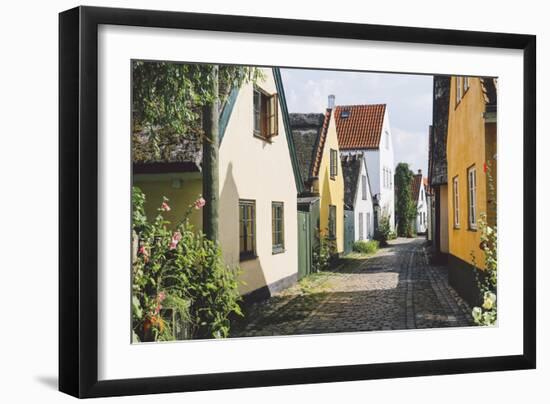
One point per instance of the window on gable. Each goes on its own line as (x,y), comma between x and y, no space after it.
(247,229)
(387,136)
(465,84)
(277,227)
(472,223)
(333,163)
(332,222)
(364,187)
(266,116)
(456,203)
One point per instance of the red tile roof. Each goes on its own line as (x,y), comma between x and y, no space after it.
(362,129)
(415,186)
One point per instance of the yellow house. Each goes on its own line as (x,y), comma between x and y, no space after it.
(471,153)
(319,158)
(259,180)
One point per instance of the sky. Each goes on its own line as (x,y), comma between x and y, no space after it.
(408,98)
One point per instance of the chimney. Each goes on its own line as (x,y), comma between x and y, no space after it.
(331,101)
(419,171)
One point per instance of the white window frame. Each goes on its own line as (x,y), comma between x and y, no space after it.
(364,195)
(456,203)
(472,197)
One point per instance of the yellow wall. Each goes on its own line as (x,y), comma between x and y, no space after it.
(444,222)
(466,146)
(331,190)
(156,186)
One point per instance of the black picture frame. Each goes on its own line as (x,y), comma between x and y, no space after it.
(78,206)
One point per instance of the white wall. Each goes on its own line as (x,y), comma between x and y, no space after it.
(364,207)
(29,349)
(386,160)
(422,210)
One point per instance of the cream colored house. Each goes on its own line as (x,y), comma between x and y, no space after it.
(259,182)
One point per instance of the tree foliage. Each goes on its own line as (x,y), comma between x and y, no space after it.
(405,206)
(168,98)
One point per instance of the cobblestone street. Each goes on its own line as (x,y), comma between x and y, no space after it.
(394,289)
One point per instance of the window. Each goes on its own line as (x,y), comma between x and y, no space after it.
(332,221)
(361,237)
(422,195)
(277,227)
(387,136)
(247,229)
(465,84)
(265,114)
(345,113)
(390,178)
(472,223)
(456,201)
(333,163)
(364,187)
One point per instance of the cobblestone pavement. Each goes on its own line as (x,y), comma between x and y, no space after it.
(394,289)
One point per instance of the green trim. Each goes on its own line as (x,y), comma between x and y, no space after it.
(227,109)
(288,131)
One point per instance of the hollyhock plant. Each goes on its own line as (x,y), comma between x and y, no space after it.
(199,203)
(164,207)
(176,237)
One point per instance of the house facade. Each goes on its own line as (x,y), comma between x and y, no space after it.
(471,152)
(365,129)
(420,197)
(358,195)
(437,168)
(259,181)
(319,159)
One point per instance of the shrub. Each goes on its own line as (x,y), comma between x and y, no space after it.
(178,275)
(323,252)
(487,283)
(365,247)
(382,234)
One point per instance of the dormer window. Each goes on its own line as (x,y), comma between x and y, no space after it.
(265,114)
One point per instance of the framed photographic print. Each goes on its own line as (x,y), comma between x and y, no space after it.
(250,201)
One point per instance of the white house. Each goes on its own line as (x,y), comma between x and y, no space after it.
(259,180)
(358,195)
(366,129)
(419,194)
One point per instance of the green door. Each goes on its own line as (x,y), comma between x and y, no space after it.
(304,244)
(349,231)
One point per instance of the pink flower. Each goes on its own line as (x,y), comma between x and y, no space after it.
(161,296)
(485,167)
(176,237)
(164,207)
(143,251)
(199,203)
